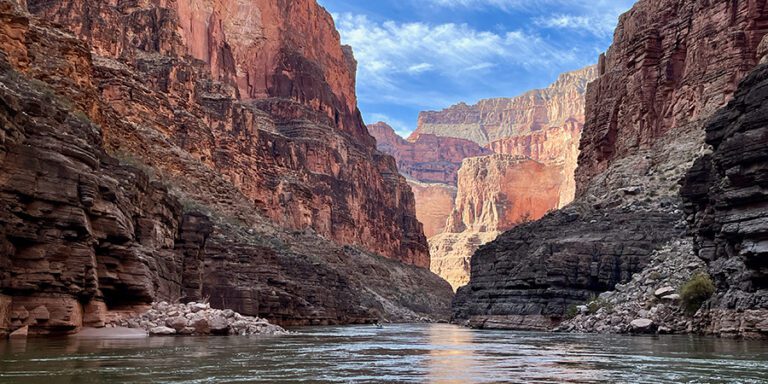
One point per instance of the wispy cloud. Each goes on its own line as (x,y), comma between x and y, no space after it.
(389,50)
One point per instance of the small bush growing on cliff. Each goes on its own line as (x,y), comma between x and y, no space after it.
(696,291)
(596,304)
(571,312)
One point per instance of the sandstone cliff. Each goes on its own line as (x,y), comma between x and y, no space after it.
(132,172)
(434,204)
(294,143)
(495,119)
(497,192)
(672,64)
(426,158)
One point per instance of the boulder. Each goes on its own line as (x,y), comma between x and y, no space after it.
(661,292)
(20,333)
(642,326)
(162,331)
(178,323)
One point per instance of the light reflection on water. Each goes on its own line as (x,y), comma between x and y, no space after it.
(396,353)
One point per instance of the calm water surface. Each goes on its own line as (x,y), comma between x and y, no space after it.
(397,353)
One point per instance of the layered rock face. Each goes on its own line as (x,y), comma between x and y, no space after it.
(426,158)
(497,192)
(272,113)
(130,174)
(726,206)
(434,204)
(495,119)
(672,64)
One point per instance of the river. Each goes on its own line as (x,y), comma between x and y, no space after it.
(436,353)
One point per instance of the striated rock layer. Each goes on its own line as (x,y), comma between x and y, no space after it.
(129,174)
(272,113)
(495,119)
(672,64)
(434,204)
(426,158)
(497,192)
(726,206)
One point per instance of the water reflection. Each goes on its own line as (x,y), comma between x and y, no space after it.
(406,353)
(452,358)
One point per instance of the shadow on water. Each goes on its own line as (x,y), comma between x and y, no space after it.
(396,353)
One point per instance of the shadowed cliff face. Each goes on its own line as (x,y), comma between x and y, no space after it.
(274,114)
(133,173)
(726,203)
(672,64)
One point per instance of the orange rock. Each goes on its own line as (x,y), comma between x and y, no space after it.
(434,204)
(495,119)
(20,333)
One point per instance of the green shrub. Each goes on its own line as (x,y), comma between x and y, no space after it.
(571,312)
(696,291)
(595,304)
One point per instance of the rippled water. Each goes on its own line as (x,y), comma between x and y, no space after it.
(397,353)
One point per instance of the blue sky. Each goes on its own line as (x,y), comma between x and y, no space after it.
(417,55)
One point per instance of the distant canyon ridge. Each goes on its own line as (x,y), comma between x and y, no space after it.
(479,170)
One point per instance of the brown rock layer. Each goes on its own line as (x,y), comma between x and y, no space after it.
(84,232)
(672,64)
(495,193)
(426,158)
(273,114)
(434,204)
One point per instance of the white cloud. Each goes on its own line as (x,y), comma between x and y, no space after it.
(388,51)
(594,16)
(599,25)
(419,68)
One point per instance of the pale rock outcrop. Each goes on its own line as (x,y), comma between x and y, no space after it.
(496,119)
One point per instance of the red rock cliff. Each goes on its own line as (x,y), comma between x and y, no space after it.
(129,174)
(671,65)
(280,120)
(426,158)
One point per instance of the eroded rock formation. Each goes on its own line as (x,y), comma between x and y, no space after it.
(434,204)
(133,173)
(726,206)
(673,63)
(426,158)
(495,119)
(497,192)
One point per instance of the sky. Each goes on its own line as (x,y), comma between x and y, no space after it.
(417,55)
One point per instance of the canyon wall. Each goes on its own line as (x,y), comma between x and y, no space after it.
(133,172)
(673,63)
(426,158)
(434,204)
(294,143)
(725,200)
(495,119)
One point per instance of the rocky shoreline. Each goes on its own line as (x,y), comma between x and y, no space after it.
(649,303)
(196,319)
